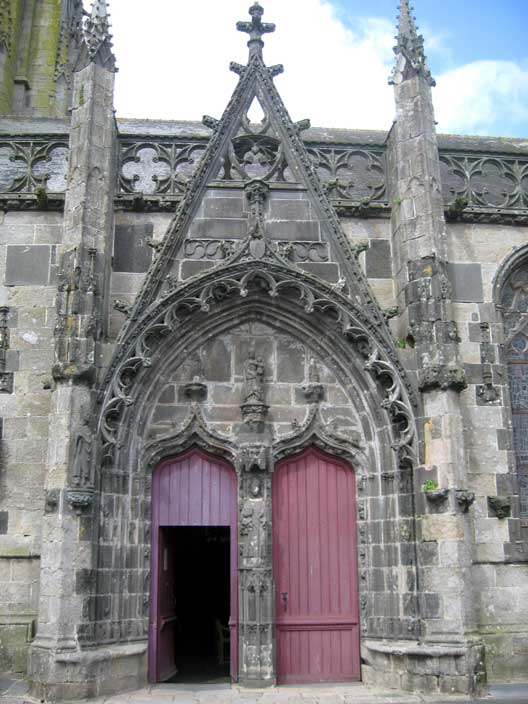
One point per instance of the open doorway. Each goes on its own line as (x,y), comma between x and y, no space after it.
(199,561)
(194,604)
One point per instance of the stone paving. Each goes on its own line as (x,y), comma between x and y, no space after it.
(15,692)
(224,694)
(314,694)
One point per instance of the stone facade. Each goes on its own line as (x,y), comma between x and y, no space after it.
(255,291)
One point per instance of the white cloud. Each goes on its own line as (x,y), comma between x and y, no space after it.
(482,96)
(174,56)
(174,60)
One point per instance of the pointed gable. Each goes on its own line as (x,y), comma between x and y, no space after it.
(217,216)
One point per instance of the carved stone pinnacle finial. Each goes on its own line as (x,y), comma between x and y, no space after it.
(97,37)
(256,28)
(409,49)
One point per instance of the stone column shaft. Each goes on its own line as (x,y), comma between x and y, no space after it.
(68,530)
(427,324)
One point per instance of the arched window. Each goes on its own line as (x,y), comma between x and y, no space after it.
(514,300)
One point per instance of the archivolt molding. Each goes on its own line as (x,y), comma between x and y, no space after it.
(194,432)
(514,260)
(259,280)
(314,432)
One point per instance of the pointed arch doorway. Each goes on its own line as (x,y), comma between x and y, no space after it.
(193,603)
(315,569)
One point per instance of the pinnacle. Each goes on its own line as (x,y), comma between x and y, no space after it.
(97,36)
(409,48)
(407,21)
(256,28)
(99,9)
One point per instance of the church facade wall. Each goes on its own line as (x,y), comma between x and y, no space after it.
(148,270)
(483,247)
(29,277)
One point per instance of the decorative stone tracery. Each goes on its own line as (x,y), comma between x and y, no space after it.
(514,304)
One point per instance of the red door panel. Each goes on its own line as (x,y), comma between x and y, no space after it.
(315,568)
(194,489)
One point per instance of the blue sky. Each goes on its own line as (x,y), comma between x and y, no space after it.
(174,60)
(470,30)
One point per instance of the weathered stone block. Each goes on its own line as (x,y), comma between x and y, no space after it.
(282,209)
(220,207)
(211,228)
(131,252)
(466,280)
(290,360)
(430,605)
(378,260)
(293,230)
(167,395)
(217,360)
(27,266)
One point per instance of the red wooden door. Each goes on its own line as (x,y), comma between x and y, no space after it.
(315,570)
(193,489)
(166,621)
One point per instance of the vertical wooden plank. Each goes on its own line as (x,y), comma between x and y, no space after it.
(208,469)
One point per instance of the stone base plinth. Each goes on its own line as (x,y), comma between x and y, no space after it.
(56,676)
(422,667)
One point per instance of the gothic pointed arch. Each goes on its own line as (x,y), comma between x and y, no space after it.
(253,284)
(511,289)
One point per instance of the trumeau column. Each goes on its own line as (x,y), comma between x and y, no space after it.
(255,581)
(86,247)
(427,324)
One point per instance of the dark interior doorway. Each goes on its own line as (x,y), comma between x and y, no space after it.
(199,558)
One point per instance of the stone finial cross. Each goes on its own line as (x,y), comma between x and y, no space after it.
(256,28)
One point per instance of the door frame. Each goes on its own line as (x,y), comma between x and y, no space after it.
(316,623)
(157,560)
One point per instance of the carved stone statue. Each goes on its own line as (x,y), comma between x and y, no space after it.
(81,474)
(254,371)
(253,405)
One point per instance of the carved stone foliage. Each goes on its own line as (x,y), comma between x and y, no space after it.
(485,181)
(27,166)
(157,168)
(352,174)
(194,432)
(314,432)
(514,302)
(500,506)
(223,249)
(464,499)
(79,501)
